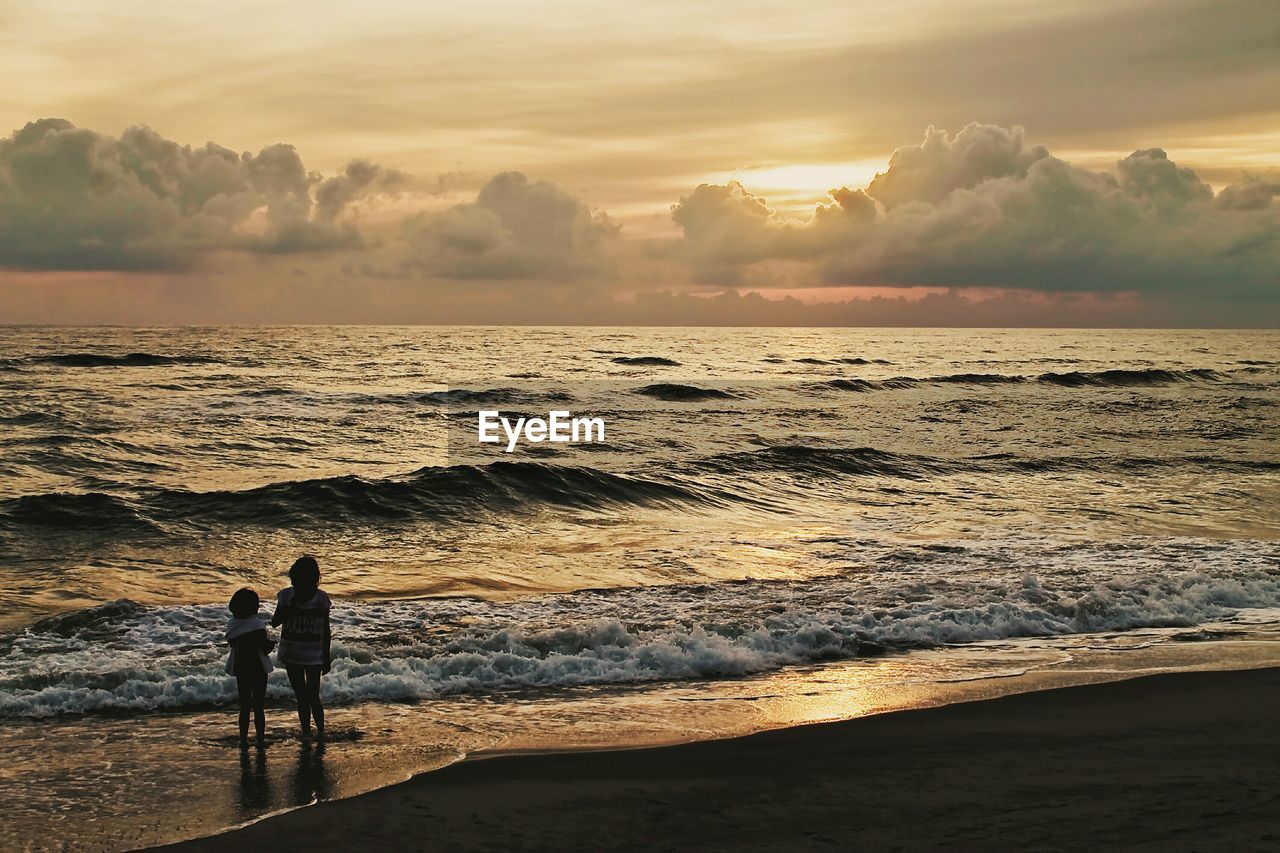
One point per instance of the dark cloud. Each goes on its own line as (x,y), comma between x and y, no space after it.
(1250,193)
(74,199)
(359,180)
(317,297)
(515,229)
(982,209)
(946,309)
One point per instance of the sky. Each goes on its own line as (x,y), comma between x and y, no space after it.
(918,162)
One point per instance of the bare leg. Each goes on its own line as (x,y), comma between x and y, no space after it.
(245,688)
(313,693)
(298,681)
(260,710)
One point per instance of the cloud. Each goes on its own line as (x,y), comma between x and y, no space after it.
(515,229)
(982,209)
(726,227)
(1251,193)
(74,199)
(979,208)
(943,164)
(359,180)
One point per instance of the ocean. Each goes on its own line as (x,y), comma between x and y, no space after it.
(779,526)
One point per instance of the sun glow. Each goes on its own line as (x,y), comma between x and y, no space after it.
(800,185)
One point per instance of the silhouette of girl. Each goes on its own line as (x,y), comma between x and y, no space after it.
(248,662)
(303,611)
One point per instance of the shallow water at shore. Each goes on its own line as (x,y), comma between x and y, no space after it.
(122,782)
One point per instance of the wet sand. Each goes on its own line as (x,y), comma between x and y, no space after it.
(1168,762)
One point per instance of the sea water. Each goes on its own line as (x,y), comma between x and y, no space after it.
(778,526)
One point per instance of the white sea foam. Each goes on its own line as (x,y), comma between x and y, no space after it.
(136,659)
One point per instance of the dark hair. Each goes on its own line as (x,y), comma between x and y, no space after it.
(244,603)
(305,573)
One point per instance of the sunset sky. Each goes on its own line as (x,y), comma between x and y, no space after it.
(706,161)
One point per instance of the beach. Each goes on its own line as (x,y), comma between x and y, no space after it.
(1167,762)
(780,528)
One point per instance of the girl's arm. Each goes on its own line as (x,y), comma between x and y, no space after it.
(281,613)
(328,642)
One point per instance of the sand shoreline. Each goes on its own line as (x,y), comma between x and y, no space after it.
(1180,761)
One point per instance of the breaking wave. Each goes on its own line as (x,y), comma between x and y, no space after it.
(123,657)
(433,492)
(461,492)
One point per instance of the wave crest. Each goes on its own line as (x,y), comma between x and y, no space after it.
(645,361)
(1128,378)
(97,359)
(123,657)
(1074,379)
(674,391)
(433,492)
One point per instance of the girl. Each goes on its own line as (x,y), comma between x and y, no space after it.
(303,609)
(248,661)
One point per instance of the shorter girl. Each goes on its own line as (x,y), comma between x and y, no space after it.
(248,661)
(305,640)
